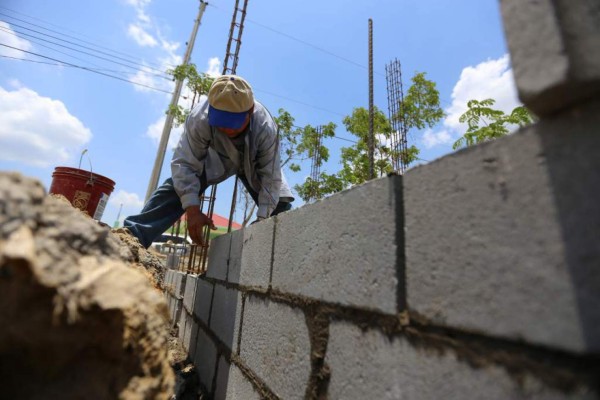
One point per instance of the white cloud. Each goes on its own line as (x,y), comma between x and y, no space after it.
(491,79)
(432,139)
(141,37)
(9,38)
(214,67)
(38,130)
(154,132)
(129,200)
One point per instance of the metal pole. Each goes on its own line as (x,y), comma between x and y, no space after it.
(164,139)
(371,134)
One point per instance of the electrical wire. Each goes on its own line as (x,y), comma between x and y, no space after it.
(304,42)
(84,47)
(85,68)
(98,67)
(70,36)
(299,102)
(87,53)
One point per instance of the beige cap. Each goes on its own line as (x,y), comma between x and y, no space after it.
(230,98)
(231,93)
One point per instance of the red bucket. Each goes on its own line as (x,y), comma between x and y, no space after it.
(84,189)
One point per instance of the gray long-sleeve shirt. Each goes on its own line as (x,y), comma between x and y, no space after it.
(203,148)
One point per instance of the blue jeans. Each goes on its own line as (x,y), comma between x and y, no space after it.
(164,208)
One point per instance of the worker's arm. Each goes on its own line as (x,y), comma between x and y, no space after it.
(187,165)
(268,168)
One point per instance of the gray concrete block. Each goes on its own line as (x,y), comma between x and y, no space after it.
(554,51)
(176,316)
(218,257)
(253,266)
(367,365)
(172,307)
(502,238)
(235,255)
(202,302)
(189,293)
(276,346)
(226,315)
(181,321)
(179,284)
(343,249)
(205,359)
(232,384)
(168,280)
(193,340)
(222,377)
(187,331)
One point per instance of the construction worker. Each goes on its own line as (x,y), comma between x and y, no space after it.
(227,133)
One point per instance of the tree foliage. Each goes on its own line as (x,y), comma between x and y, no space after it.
(309,146)
(421,105)
(355,159)
(485,123)
(198,83)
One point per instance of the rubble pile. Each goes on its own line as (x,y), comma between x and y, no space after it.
(79,316)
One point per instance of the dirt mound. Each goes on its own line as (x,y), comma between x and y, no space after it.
(78,318)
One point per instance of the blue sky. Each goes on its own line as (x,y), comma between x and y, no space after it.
(308,57)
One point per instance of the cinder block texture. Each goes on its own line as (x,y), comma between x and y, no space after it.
(218,257)
(226,315)
(554,50)
(179,284)
(203,299)
(232,384)
(342,249)
(366,365)
(176,311)
(193,340)
(189,293)
(253,266)
(190,325)
(205,359)
(181,321)
(502,238)
(276,346)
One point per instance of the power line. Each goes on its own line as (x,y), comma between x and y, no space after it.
(99,68)
(334,136)
(305,43)
(85,47)
(89,54)
(85,68)
(67,54)
(299,102)
(69,36)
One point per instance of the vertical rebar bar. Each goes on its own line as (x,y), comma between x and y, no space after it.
(371,111)
(397,115)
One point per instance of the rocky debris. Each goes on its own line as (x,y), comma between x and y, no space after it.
(78,318)
(133,252)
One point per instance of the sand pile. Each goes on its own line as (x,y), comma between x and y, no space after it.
(79,317)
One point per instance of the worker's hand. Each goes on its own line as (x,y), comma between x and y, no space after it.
(196,221)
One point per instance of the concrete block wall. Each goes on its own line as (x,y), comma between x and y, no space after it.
(475,276)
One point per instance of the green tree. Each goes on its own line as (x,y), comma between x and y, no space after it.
(355,159)
(419,109)
(289,134)
(485,123)
(198,83)
(309,146)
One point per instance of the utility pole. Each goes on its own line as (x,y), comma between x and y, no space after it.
(117,222)
(164,139)
(371,111)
